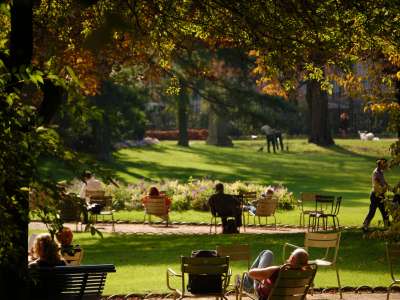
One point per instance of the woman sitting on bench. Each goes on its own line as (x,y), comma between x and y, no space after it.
(46,252)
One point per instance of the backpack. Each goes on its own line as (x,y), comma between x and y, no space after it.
(230,227)
(204,284)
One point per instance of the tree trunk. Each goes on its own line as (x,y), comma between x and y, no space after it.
(13,269)
(183,106)
(218,130)
(397,116)
(317,101)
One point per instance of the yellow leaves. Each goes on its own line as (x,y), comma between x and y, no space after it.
(398,75)
(381,107)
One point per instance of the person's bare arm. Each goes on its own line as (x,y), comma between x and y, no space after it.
(262,273)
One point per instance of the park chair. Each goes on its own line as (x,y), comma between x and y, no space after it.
(291,283)
(333,214)
(393,257)
(85,282)
(305,198)
(200,266)
(71,207)
(215,216)
(236,252)
(73,260)
(321,241)
(100,198)
(248,198)
(324,206)
(266,207)
(156,206)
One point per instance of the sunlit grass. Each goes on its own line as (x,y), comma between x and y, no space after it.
(141,260)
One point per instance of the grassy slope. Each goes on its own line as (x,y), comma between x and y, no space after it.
(343,169)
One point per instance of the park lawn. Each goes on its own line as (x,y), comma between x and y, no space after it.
(343,169)
(141,260)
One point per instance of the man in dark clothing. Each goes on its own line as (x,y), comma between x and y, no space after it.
(377,196)
(224,206)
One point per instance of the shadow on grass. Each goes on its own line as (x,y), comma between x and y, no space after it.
(356,253)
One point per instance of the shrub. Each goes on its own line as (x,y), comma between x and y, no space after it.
(193,194)
(194,134)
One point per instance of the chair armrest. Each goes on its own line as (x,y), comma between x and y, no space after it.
(171,273)
(287,245)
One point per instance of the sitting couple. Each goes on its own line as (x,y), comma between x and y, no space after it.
(224,206)
(262,274)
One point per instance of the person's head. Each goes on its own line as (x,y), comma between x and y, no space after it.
(154,191)
(382,163)
(87,175)
(298,258)
(46,249)
(219,188)
(270,191)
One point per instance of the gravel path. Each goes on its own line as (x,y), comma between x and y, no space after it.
(174,228)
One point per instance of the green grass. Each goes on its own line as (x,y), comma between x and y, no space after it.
(344,169)
(141,260)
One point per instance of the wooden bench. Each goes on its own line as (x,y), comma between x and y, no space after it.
(84,282)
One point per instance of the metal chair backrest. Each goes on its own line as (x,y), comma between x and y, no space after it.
(324,203)
(293,283)
(336,208)
(156,205)
(324,240)
(205,265)
(307,196)
(266,206)
(248,196)
(236,252)
(94,193)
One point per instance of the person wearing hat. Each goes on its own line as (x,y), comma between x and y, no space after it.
(377,196)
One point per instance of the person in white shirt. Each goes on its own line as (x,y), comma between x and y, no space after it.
(90,184)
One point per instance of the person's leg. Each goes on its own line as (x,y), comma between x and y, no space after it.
(223,220)
(263,260)
(384,213)
(269,143)
(273,140)
(281,141)
(238,219)
(371,212)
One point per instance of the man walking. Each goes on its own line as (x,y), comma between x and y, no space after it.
(271,138)
(377,196)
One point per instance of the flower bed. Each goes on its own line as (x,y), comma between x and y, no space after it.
(193,194)
(194,134)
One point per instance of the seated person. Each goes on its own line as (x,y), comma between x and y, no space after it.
(252,207)
(46,252)
(90,184)
(224,206)
(263,273)
(153,192)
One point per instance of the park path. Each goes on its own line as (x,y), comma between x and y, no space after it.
(173,228)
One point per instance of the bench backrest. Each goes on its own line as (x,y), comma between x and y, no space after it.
(84,282)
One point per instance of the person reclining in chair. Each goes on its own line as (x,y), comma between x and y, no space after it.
(224,206)
(154,192)
(263,273)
